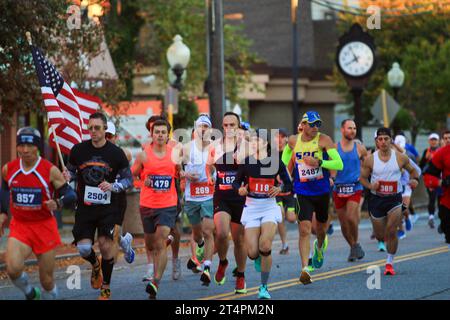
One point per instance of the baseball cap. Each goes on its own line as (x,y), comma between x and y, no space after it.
(283,132)
(433,136)
(311,116)
(245,125)
(28,135)
(111,128)
(400,141)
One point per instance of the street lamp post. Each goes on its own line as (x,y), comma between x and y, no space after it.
(295,117)
(396,77)
(178,56)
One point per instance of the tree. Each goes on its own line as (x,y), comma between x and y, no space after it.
(69,49)
(416,37)
(165,19)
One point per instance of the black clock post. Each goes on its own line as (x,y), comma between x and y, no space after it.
(356,60)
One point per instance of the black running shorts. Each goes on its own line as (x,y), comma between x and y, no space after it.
(307,205)
(151,218)
(381,206)
(233,207)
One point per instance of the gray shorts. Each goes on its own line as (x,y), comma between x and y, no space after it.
(151,218)
(197,210)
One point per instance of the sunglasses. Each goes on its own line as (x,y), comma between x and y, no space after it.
(96,128)
(315,124)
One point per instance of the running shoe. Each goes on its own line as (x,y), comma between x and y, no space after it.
(389,270)
(125,244)
(431,223)
(318,256)
(176,269)
(35,294)
(235,272)
(200,253)
(105,294)
(263,293)
(241,287)
(258,264)
(205,277)
(194,265)
(330,230)
(310,267)
(284,251)
(415,217)
(352,255)
(305,277)
(97,276)
(381,246)
(408,224)
(359,252)
(152,289)
(219,277)
(401,234)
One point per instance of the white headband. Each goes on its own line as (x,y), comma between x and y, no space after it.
(203,120)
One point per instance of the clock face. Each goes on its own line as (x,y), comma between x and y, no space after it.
(356,58)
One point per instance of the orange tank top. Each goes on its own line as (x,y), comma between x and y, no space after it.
(158,177)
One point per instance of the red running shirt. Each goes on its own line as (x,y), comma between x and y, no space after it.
(441,160)
(29,190)
(158,180)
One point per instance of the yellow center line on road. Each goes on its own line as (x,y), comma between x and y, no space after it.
(328,274)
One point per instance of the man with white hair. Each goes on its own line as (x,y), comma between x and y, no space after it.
(199,197)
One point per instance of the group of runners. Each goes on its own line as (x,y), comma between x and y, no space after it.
(242,182)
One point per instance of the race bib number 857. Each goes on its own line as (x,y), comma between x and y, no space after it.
(27,198)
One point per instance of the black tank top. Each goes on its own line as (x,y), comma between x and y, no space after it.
(226,171)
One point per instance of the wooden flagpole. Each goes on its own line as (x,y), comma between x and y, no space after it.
(52,128)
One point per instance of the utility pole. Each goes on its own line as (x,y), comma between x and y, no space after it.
(215,85)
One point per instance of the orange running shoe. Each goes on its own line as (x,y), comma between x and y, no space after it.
(219,277)
(241,287)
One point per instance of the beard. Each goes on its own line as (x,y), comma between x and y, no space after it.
(349,137)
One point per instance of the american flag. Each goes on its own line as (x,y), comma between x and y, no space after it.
(68,110)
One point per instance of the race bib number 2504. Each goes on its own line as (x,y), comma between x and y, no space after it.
(96,196)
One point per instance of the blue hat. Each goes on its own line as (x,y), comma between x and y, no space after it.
(311,117)
(28,135)
(245,125)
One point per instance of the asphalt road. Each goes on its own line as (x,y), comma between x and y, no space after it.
(422,265)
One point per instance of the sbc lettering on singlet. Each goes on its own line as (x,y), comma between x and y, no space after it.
(260,186)
(95,195)
(201,189)
(226,179)
(387,188)
(159,183)
(27,198)
(345,189)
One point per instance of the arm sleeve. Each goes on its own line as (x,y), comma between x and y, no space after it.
(415,166)
(335,163)
(287,183)
(125,178)
(67,195)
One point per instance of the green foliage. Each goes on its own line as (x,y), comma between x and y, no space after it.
(421,44)
(187,114)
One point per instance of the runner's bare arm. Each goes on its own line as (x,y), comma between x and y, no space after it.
(362,152)
(366,170)
(406,164)
(138,164)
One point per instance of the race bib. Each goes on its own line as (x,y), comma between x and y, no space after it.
(387,188)
(260,185)
(226,179)
(201,189)
(159,183)
(307,173)
(96,196)
(345,190)
(27,198)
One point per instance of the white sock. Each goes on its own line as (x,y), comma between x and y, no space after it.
(50,295)
(390,258)
(285,246)
(207,263)
(150,267)
(22,283)
(431,217)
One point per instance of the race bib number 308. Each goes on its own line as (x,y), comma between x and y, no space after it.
(387,188)
(27,198)
(96,196)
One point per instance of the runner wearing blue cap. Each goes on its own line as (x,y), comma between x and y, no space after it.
(314,154)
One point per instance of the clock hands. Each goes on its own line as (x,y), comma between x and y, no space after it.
(354,55)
